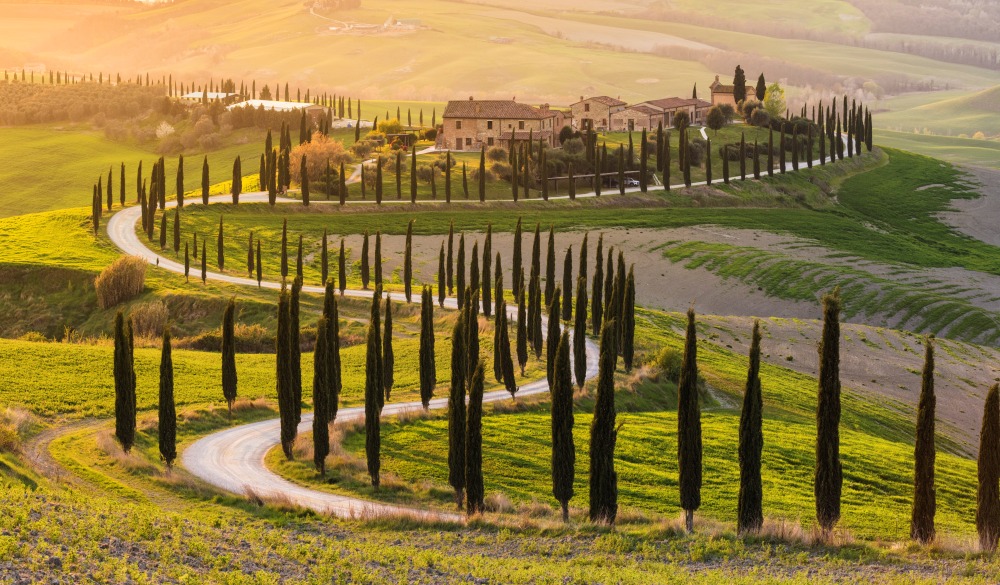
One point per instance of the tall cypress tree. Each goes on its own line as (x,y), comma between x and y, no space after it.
(516,271)
(603,434)
(428,369)
(456,410)
(373,395)
(304,172)
(583,255)
(286,396)
(413,176)
(689,427)
(474,445)
(829,475)
(229,379)
(643,163)
(408,264)
(295,351)
(550,267)
(567,285)
(250,257)
(580,332)
(988,495)
(487,281)
(324,260)
(521,336)
(749,508)
(482,175)
(451,258)
(563,450)
(167,427)
(472,333)
(388,359)
(334,381)
(204,264)
(474,283)
(597,297)
(503,340)
(378,260)
(180,181)
(321,406)
(365,271)
(460,271)
(124,375)
(442,286)
(628,320)
(284,249)
(177,230)
(552,336)
(237,185)
(924,496)
(298,259)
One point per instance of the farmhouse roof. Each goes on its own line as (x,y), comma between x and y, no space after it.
(672,103)
(602,99)
(499,109)
(642,109)
(275,105)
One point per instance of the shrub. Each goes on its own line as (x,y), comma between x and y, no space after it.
(431,134)
(760,118)
(317,152)
(122,280)
(390,126)
(148,319)
(496,154)
(474,175)
(696,151)
(567,133)
(669,363)
(501,170)
(33,336)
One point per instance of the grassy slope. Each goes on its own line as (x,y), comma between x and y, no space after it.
(75,158)
(961,151)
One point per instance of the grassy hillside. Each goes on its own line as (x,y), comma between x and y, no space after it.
(950,116)
(55,167)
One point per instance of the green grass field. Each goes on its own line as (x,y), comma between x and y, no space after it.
(54,168)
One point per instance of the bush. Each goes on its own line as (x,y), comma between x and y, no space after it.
(317,152)
(474,175)
(760,118)
(567,133)
(696,150)
(500,170)
(431,134)
(496,154)
(148,319)
(669,363)
(122,280)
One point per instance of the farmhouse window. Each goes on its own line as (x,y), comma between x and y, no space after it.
(520,125)
(489,124)
(586,107)
(468,142)
(458,125)
(489,141)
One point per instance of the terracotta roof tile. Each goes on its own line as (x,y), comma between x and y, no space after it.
(493,109)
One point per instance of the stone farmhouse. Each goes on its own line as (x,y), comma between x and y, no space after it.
(667,108)
(474,124)
(594,113)
(723,94)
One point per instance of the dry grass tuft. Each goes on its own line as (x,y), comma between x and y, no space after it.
(122,280)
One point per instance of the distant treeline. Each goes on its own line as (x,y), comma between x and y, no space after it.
(34,103)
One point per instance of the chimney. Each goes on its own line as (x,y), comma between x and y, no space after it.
(581,98)
(470,97)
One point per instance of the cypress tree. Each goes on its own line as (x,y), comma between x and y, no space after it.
(342,269)
(987,495)
(399,175)
(167,427)
(284,250)
(180,181)
(550,267)
(517,273)
(597,299)
(332,332)
(250,258)
(373,395)
(580,332)
(388,359)
(756,161)
(487,284)
(474,283)
(286,396)
(743,156)
(563,450)
(567,284)
(124,374)
(603,434)
(749,508)
(365,272)
(460,271)
(187,262)
(770,152)
(121,181)
(474,445)
(451,257)
(441,277)
(795,147)
(163,231)
(413,176)
(583,255)
(571,180)
(924,496)
(447,176)
(177,230)
(229,379)
(237,185)
(260,267)
(298,259)
(643,163)
(659,147)
(204,265)
(378,181)
(482,175)
(304,171)
(781,152)
(221,254)
(498,283)
(472,334)
(295,350)
(628,321)
(408,264)
(521,335)
(552,336)
(829,475)
(689,427)
(321,406)
(428,369)
(666,162)
(456,410)
(343,185)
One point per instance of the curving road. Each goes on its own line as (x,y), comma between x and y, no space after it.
(233,459)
